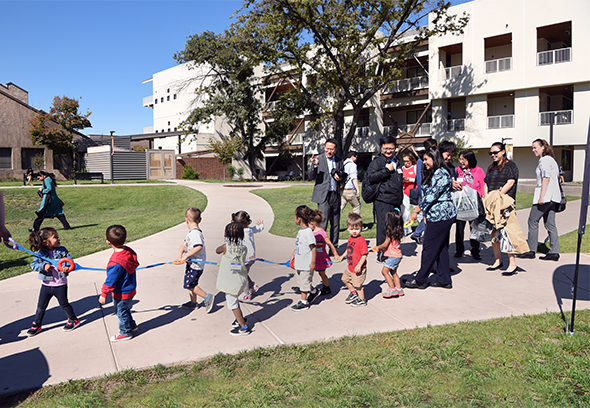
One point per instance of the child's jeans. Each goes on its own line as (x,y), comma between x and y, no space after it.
(45,295)
(126,322)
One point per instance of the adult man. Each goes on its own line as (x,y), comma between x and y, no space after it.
(386,170)
(326,191)
(351,192)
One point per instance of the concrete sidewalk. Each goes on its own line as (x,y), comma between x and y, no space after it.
(168,334)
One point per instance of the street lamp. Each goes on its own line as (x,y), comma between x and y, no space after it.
(112,152)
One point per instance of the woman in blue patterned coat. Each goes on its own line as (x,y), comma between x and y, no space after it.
(440,214)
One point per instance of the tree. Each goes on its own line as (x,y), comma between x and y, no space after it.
(226,149)
(228,89)
(64,113)
(348,49)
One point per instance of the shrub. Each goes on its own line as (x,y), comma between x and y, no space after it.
(189,173)
(231,171)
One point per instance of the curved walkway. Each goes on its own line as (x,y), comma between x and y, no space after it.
(168,334)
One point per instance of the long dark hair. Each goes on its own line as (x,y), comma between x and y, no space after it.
(37,238)
(437,163)
(50,175)
(500,165)
(470,157)
(234,233)
(394,225)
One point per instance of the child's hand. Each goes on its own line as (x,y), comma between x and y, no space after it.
(47,267)
(358,269)
(102,300)
(312,267)
(259,222)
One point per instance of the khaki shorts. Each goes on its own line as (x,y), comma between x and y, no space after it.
(354,279)
(304,280)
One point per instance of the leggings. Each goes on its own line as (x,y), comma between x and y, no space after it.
(45,295)
(61,217)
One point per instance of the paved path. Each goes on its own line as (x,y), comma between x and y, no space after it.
(168,334)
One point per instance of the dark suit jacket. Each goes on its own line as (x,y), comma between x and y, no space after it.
(322,177)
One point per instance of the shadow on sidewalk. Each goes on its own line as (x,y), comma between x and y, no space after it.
(28,371)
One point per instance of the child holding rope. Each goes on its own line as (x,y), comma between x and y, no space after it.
(47,244)
(304,258)
(244,219)
(323,243)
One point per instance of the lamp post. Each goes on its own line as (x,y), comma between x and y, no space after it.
(112,152)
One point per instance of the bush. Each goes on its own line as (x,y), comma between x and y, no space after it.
(231,171)
(189,173)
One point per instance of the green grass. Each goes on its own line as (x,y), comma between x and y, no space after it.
(568,243)
(143,210)
(525,361)
(37,183)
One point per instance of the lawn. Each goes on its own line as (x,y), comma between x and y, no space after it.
(525,361)
(143,210)
(37,183)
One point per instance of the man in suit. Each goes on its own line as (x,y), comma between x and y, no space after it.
(326,191)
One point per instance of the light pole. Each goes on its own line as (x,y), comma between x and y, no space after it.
(112,152)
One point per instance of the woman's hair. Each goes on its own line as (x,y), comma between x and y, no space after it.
(394,225)
(50,175)
(242,217)
(234,233)
(318,216)
(437,163)
(470,157)
(305,213)
(410,155)
(547,150)
(37,238)
(500,165)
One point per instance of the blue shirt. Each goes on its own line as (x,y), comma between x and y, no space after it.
(437,202)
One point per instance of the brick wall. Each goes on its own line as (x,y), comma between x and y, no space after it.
(208,167)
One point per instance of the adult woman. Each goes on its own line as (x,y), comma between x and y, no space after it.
(29,175)
(502,175)
(409,172)
(468,174)
(439,214)
(547,196)
(51,205)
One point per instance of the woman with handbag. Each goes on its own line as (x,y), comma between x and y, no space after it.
(51,206)
(547,197)
(468,174)
(409,173)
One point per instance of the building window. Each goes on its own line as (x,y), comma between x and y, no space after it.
(498,53)
(168,90)
(28,157)
(162,99)
(156,101)
(557,103)
(5,158)
(554,43)
(174,96)
(451,60)
(62,161)
(168,123)
(156,131)
(168,98)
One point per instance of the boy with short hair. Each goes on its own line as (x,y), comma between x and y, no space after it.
(121,281)
(356,251)
(193,247)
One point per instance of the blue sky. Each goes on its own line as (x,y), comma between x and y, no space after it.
(100,51)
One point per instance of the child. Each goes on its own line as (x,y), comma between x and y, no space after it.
(322,244)
(121,281)
(394,232)
(304,258)
(54,282)
(243,218)
(356,251)
(233,276)
(194,247)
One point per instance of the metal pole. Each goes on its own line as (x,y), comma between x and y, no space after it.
(303,162)
(112,152)
(552,119)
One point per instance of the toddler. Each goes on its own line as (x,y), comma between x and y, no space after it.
(244,219)
(356,251)
(304,258)
(394,232)
(323,243)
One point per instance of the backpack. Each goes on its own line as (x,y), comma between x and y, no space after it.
(369,191)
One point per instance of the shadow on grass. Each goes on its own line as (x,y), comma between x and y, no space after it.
(563,278)
(83,226)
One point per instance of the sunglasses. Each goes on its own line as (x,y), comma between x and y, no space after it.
(495,153)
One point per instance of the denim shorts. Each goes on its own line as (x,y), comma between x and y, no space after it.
(392,263)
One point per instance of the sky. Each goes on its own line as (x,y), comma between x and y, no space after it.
(99,52)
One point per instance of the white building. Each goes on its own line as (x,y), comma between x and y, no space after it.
(518,63)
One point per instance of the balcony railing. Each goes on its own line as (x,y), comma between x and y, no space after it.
(407,84)
(451,72)
(499,65)
(455,125)
(390,131)
(148,101)
(500,122)
(362,131)
(271,105)
(563,117)
(554,56)
(422,130)
(148,129)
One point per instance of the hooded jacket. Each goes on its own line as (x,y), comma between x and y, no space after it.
(121,280)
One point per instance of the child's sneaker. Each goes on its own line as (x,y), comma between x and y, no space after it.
(33,330)
(400,292)
(244,296)
(120,337)
(351,298)
(325,291)
(296,290)
(253,289)
(208,303)
(299,306)
(311,296)
(236,324)
(71,324)
(240,331)
(189,305)
(358,302)
(389,293)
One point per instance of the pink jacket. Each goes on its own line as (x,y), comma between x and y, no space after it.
(473,178)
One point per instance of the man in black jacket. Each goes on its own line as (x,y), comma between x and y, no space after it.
(386,170)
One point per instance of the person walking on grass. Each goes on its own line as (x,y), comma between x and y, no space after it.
(51,206)
(351,192)
(232,277)
(304,258)
(54,282)
(121,281)
(394,231)
(356,251)
(192,251)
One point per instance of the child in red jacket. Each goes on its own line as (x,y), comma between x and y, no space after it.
(121,281)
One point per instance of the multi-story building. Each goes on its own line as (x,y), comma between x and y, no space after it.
(516,68)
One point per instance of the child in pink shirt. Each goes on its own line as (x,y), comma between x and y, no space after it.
(394,231)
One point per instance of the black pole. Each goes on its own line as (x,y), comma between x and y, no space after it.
(552,119)
(575,284)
